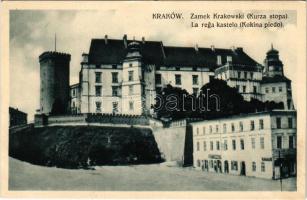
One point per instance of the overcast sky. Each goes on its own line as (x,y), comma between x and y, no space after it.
(32,32)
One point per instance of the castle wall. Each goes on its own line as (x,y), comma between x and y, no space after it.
(175,143)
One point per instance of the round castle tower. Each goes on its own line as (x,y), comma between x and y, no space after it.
(54,83)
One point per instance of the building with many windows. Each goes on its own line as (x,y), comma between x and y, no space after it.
(17,117)
(124,76)
(257,144)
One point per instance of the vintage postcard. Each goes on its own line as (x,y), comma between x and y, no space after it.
(153,99)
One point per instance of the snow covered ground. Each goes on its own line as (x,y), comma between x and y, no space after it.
(154,177)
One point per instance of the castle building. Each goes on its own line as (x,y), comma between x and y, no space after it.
(17,117)
(256,144)
(54,83)
(75,98)
(274,85)
(124,76)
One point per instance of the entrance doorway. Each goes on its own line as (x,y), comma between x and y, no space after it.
(243,171)
(219,166)
(226,167)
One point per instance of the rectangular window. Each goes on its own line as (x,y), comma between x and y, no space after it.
(197,146)
(266,90)
(210,127)
(219,60)
(252,125)
(273,89)
(195,91)
(224,128)
(177,79)
(98,77)
(115,107)
(114,91)
(290,122)
(239,74)
(197,131)
(279,142)
(98,106)
(253,143)
(254,166)
(130,89)
(245,75)
(280,89)
(228,58)
(205,146)
(204,130)
(241,126)
(244,88)
(262,142)
(158,79)
(233,144)
(238,88)
(130,75)
(262,167)
(261,126)
(252,75)
(291,142)
(98,91)
(278,122)
(114,77)
(289,104)
(242,144)
(195,79)
(255,89)
(232,127)
(131,105)
(211,145)
(225,145)
(217,145)
(130,64)
(216,128)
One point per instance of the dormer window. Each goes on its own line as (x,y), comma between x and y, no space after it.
(219,60)
(229,59)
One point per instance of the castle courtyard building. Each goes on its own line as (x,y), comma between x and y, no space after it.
(124,76)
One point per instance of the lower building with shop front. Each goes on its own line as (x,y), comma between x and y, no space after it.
(258,144)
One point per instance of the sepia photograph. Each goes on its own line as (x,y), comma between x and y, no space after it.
(153,97)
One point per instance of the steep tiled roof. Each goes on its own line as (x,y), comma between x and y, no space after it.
(275,79)
(153,52)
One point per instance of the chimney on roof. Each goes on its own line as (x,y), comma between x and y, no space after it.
(196,47)
(125,40)
(239,48)
(162,48)
(106,39)
(212,48)
(233,48)
(143,40)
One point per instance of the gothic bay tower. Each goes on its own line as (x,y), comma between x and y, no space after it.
(54,83)
(133,84)
(273,65)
